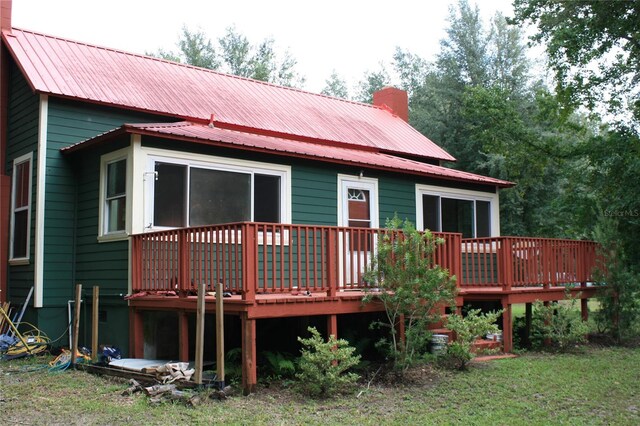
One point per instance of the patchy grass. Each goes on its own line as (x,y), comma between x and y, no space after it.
(598,386)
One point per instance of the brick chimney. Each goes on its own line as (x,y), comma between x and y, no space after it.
(394,99)
(5,15)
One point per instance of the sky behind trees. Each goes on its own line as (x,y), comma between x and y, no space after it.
(351,37)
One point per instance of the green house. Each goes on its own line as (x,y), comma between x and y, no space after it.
(108,157)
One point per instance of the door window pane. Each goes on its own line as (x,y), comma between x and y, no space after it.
(359,208)
(219,197)
(169,198)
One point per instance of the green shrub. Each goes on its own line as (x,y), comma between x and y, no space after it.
(619,272)
(323,366)
(559,324)
(467,329)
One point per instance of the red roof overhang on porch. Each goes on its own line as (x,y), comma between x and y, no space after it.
(366,158)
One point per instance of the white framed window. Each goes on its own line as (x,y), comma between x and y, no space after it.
(19,247)
(115,177)
(474,214)
(211,190)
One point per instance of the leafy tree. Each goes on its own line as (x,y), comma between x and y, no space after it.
(372,82)
(593,46)
(508,64)
(335,86)
(463,53)
(411,289)
(234,54)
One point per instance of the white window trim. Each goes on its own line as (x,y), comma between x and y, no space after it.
(105,160)
(460,194)
(21,260)
(356,182)
(154,155)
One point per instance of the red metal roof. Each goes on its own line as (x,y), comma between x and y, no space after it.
(106,76)
(199,133)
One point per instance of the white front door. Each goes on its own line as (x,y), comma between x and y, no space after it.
(358,201)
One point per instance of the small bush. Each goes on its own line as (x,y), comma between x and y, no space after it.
(323,365)
(467,330)
(560,324)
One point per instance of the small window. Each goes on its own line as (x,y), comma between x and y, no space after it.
(21,208)
(115,213)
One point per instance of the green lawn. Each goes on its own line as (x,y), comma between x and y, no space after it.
(599,386)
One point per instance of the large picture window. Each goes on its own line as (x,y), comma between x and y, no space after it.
(468,213)
(21,208)
(199,194)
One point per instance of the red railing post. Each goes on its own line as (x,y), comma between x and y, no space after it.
(249,261)
(505,250)
(184,264)
(332,262)
(136,264)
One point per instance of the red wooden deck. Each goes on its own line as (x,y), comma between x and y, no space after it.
(277,270)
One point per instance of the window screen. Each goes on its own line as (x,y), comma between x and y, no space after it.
(431,212)
(457,216)
(266,198)
(219,197)
(169,195)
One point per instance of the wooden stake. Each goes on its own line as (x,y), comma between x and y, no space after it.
(220,335)
(199,334)
(94,324)
(76,325)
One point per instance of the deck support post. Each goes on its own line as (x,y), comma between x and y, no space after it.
(584,309)
(547,341)
(528,317)
(507,326)
(584,304)
(249,369)
(332,326)
(183,336)
(136,334)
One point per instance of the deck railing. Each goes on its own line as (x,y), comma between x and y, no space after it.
(251,258)
(260,258)
(524,262)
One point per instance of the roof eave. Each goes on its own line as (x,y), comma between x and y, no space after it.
(133,129)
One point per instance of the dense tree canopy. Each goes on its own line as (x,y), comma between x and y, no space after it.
(593,46)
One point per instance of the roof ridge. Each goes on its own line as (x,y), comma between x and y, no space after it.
(153,58)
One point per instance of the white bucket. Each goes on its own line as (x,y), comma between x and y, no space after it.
(439,344)
(494,336)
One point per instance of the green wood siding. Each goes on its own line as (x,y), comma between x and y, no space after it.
(69,123)
(71,216)
(396,196)
(314,194)
(22,138)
